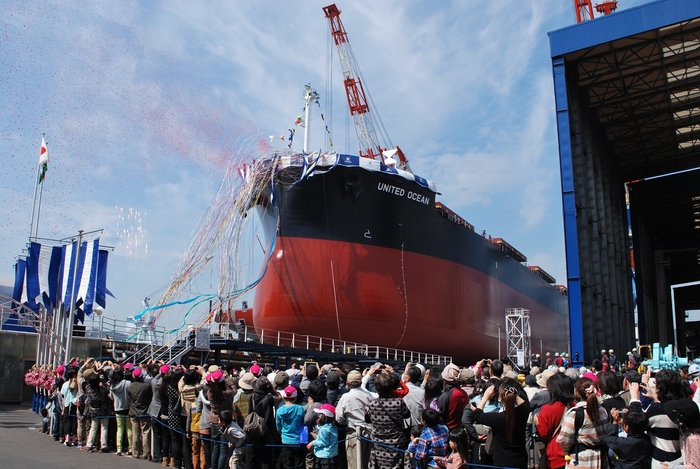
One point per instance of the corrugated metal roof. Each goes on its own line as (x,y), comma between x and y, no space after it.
(621,24)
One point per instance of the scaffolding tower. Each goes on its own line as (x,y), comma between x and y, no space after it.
(518,336)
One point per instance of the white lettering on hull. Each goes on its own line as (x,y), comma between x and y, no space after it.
(384,187)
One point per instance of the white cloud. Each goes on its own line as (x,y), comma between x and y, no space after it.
(145,104)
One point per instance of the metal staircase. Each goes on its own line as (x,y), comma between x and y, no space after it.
(171,352)
(53,343)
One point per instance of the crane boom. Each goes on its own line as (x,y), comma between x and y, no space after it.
(584,10)
(367,140)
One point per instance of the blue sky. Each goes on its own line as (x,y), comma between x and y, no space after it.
(145,103)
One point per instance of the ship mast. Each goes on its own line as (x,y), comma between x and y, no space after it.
(367,141)
(310,95)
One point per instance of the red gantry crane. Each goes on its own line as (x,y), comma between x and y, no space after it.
(584,9)
(367,141)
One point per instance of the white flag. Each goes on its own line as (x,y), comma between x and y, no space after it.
(43,160)
(43,153)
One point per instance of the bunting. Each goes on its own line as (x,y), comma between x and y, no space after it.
(46,277)
(43,274)
(88,280)
(101,290)
(19,292)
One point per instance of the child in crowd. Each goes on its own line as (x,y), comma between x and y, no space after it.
(45,420)
(234,435)
(459,444)
(633,451)
(325,446)
(57,409)
(434,440)
(289,420)
(416,431)
(194,416)
(83,421)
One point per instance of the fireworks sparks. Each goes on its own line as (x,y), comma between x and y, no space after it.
(128,233)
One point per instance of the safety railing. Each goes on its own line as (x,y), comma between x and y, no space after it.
(277,338)
(145,342)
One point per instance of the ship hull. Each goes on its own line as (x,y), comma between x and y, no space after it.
(366,256)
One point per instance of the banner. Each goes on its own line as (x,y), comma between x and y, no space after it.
(19,293)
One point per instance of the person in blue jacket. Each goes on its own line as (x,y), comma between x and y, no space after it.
(289,420)
(325,446)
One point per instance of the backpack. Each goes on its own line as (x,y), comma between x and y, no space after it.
(578,423)
(254,425)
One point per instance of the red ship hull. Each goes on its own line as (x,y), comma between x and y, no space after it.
(381,296)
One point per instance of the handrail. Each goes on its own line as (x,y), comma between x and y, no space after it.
(325,344)
(159,344)
(28,317)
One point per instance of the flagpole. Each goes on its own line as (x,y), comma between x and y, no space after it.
(39,339)
(36,186)
(36,208)
(74,293)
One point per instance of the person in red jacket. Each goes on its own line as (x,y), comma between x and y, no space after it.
(548,422)
(559,361)
(453,401)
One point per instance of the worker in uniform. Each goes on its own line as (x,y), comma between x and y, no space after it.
(605,360)
(549,361)
(536,361)
(612,358)
(637,358)
(559,360)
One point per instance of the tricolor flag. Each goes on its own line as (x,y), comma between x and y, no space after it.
(43,160)
(44,265)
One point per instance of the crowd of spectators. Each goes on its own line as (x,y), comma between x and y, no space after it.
(327,417)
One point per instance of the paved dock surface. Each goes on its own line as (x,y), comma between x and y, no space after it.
(23,447)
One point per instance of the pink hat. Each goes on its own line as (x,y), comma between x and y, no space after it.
(137,372)
(327,410)
(164,369)
(255,369)
(60,370)
(290,392)
(128,366)
(216,377)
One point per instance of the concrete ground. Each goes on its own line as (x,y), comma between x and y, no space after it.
(22,446)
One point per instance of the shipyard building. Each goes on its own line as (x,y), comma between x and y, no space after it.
(627,93)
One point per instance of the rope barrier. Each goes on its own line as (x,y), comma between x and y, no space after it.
(269,445)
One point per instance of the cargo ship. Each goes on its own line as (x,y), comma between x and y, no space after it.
(363,252)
